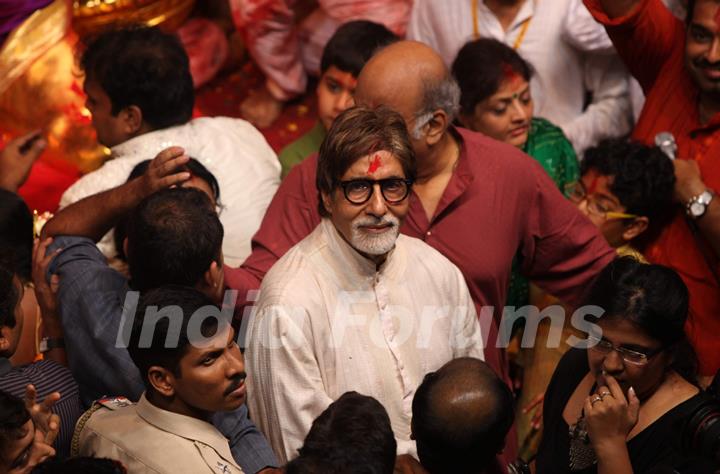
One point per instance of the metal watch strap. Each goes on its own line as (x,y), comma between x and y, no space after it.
(703,199)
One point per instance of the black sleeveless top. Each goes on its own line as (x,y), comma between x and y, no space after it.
(656,447)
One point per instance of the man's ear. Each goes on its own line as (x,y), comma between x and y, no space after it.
(635,228)
(132,118)
(125,246)
(162,380)
(327,202)
(5,339)
(436,127)
(213,275)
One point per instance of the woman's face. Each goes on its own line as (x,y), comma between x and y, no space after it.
(644,378)
(505,115)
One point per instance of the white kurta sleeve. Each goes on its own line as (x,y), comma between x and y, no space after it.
(467,335)
(285,388)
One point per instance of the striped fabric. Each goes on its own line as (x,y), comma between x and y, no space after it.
(48,376)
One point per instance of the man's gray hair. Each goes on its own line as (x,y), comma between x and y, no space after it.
(443,94)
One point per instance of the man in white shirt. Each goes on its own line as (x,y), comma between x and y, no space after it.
(355,305)
(141,97)
(187,380)
(566,67)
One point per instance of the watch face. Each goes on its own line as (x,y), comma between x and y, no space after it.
(697,209)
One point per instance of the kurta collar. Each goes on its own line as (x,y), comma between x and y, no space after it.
(186,427)
(355,263)
(149,144)
(459,182)
(524,14)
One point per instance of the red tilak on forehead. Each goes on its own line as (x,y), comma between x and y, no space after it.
(593,185)
(717,17)
(509,74)
(375,164)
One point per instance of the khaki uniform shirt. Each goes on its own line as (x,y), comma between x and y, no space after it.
(147,439)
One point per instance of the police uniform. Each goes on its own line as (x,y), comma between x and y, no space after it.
(147,439)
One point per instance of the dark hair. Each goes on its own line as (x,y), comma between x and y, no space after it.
(16,234)
(142,66)
(353,44)
(358,132)
(455,433)
(8,297)
(653,298)
(643,177)
(177,304)
(80,465)
(690,11)
(479,69)
(193,166)
(353,435)
(13,416)
(173,237)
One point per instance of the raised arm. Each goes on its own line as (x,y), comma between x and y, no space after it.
(94,215)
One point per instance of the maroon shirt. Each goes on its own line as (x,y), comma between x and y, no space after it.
(498,200)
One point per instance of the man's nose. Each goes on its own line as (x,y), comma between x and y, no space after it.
(376,206)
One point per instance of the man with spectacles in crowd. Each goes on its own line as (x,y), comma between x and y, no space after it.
(626,189)
(355,305)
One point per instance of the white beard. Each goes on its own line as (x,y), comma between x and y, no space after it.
(374,244)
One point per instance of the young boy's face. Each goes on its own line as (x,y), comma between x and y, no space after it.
(9,337)
(600,201)
(335,93)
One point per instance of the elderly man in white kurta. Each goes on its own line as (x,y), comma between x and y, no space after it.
(355,305)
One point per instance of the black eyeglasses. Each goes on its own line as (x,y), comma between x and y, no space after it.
(359,191)
(628,355)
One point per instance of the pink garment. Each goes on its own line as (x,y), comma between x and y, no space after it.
(206,46)
(286,53)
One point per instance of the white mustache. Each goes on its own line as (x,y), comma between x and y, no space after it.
(374,221)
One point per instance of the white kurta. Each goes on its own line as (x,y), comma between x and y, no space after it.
(564,68)
(328,322)
(246,168)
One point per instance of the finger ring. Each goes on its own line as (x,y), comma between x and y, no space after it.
(595,399)
(604,394)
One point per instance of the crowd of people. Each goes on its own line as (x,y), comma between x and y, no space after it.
(496,251)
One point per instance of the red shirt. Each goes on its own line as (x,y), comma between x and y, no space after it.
(651,41)
(498,200)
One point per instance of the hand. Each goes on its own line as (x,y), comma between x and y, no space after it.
(165,170)
(39,452)
(406,464)
(610,419)
(260,108)
(17,159)
(688,181)
(45,293)
(535,405)
(44,419)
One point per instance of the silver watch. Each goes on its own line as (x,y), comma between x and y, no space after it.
(696,207)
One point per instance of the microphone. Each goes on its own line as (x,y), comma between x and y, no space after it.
(666,142)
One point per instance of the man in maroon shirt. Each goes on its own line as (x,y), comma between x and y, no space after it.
(678,67)
(475,200)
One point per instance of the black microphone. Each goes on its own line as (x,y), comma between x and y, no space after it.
(666,142)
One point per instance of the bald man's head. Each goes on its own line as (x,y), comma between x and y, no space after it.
(412,79)
(461,415)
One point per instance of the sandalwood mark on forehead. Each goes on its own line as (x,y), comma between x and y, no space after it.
(375,164)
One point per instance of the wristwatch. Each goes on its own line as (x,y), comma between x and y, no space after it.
(696,207)
(48,344)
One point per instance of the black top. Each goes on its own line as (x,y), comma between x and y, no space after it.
(658,445)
